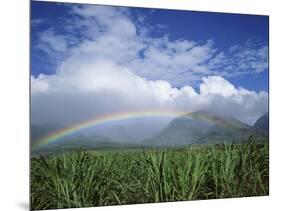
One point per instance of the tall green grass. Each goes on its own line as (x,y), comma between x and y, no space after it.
(81,179)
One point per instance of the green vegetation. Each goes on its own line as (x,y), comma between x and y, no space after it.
(90,178)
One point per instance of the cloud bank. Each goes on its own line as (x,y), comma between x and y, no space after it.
(85,89)
(116,66)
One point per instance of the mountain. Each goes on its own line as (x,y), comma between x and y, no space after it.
(201,127)
(261,127)
(262,123)
(180,131)
(198,127)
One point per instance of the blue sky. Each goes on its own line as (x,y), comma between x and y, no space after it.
(102,59)
(225,30)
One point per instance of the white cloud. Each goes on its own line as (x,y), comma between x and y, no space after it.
(48,40)
(217,85)
(39,84)
(87,88)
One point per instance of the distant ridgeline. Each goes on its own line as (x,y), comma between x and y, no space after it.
(199,127)
(208,128)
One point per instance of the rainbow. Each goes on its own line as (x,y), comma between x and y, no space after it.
(58,134)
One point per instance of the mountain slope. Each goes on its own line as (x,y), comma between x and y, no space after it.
(181,131)
(262,123)
(201,127)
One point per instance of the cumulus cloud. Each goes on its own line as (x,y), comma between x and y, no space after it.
(87,88)
(117,67)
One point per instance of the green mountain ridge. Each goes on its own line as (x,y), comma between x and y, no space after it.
(203,127)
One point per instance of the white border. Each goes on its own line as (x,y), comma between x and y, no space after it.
(14,106)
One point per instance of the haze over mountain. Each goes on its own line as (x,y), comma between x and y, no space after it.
(131,130)
(124,131)
(200,127)
(38,131)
